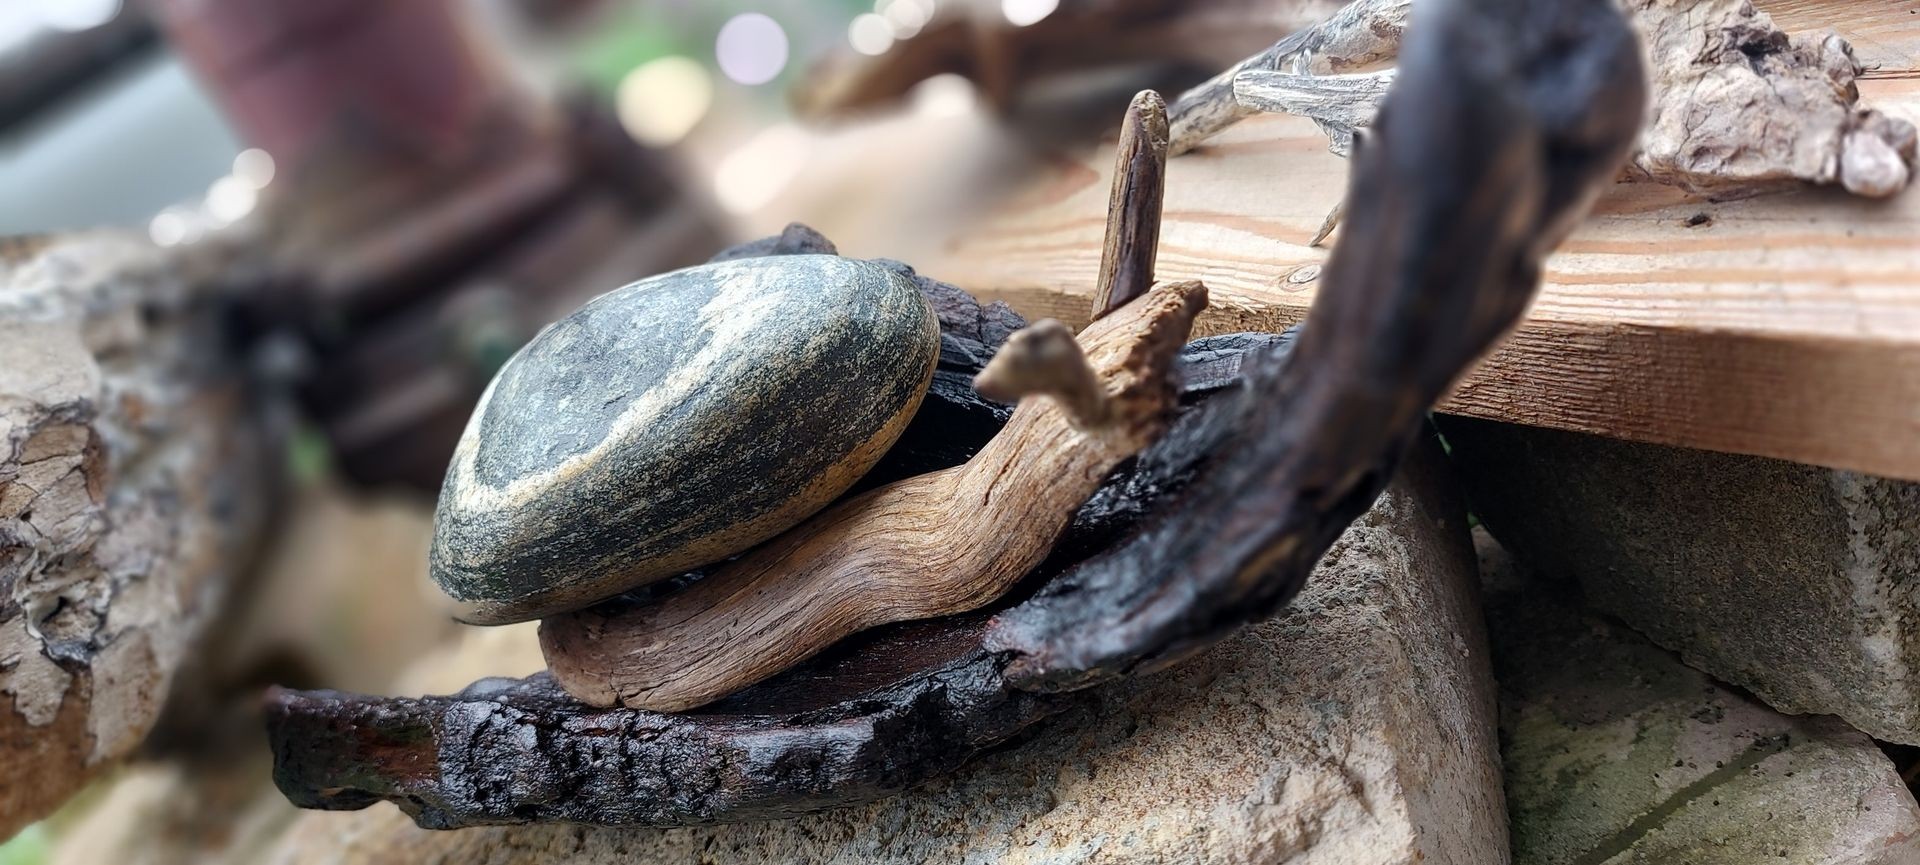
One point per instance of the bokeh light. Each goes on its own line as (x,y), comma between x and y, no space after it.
(168,228)
(751,176)
(906,17)
(751,48)
(229,199)
(943,95)
(254,167)
(1020,13)
(870,34)
(661,100)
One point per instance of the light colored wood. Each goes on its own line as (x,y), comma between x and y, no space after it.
(930,545)
(1784,326)
(1885,33)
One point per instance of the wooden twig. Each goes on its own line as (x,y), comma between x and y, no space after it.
(1340,104)
(1361,34)
(927,546)
(1133,207)
(1045,359)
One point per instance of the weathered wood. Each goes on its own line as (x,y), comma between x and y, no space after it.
(1739,106)
(1133,206)
(1360,35)
(1784,326)
(133,477)
(931,545)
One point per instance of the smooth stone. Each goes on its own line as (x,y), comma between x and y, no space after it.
(675,422)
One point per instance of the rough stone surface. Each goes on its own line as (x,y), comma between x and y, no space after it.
(132,481)
(1615,752)
(674,422)
(1355,728)
(1799,583)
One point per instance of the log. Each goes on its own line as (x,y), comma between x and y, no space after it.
(1785,326)
(133,480)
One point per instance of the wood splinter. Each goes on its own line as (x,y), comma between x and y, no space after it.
(935,544)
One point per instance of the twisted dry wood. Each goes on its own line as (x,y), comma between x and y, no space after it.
(1512,113)
(927,546)
(1739,106)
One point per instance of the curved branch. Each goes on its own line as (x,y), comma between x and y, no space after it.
(927,546)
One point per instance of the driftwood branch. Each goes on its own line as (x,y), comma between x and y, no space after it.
(1739,106)
(974,39)
(1475,171)
(927,546)
(1133,207)
(1361,34)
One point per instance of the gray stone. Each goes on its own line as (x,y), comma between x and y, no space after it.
(675,422)
(1615,752)
(1801,584)
(1356,728)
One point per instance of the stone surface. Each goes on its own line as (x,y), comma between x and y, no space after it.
(1617,753)
(674,422)
(1356,728)
(1801,584)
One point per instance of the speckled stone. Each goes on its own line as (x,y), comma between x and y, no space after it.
(674,422)
(1798,583)
(1618,754)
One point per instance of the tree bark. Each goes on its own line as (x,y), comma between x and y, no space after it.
(133,476)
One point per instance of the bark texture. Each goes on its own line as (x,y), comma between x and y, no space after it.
(132,482)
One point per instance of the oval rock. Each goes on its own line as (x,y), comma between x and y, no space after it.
(675,422)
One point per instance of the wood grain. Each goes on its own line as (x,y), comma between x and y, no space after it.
(1785,326)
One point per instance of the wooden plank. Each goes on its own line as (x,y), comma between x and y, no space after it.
(1885,33)
(1784,326)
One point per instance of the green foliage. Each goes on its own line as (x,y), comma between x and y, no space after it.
(27,848)
(309,460)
